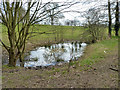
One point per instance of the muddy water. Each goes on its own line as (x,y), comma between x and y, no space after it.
(54,54)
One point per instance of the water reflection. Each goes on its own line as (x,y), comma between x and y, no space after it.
(56,53)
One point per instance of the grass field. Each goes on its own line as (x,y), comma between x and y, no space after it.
(51,33)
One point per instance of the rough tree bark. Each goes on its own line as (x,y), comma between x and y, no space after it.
(110,20)
(16,36)
(117,18)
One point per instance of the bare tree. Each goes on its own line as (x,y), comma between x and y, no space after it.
(67,22)
(117,18)
(95,29)
(110,20)
(18,26)
(52,17)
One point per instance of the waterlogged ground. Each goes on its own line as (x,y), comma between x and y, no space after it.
(56,53)
(52,55)
(97,68)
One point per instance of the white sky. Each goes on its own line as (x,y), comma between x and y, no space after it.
(83,7)
(77,7)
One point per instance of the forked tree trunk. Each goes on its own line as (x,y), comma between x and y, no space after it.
(12,59)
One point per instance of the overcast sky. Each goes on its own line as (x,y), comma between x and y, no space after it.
(77,7)
(81,6)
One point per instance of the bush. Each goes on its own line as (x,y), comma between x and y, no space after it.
(94,33)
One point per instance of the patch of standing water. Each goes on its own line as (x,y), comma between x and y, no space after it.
(62,52)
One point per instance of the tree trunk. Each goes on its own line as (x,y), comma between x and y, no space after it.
(52,19)
(110,20)
(116,31)
(12,59)
(117,19)
(21,60)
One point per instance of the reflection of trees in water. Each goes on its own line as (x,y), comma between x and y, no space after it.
(53,55)
(74,50)
(55,52)
(63,46)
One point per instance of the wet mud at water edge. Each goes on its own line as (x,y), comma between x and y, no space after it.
(55,54)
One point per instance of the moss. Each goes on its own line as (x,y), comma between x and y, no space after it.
(60,60)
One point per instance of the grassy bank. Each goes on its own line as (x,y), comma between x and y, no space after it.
(99,51)
(48,33)
(58,76)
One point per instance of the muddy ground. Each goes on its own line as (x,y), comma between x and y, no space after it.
(102,74)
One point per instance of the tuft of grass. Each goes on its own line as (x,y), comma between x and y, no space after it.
(32,59)
(25,77)
(60,60)
(57,70)
(64,72)
(35,59)
(52,71)
(87,61)
(2,77)
(8,67)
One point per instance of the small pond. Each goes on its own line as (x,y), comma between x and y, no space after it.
(55,54)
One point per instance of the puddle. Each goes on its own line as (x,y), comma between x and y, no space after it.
(54,54)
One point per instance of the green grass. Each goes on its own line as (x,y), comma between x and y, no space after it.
(8,67)
(99,51)
(2,77)
(65,32)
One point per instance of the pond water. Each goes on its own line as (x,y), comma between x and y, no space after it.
(54,54)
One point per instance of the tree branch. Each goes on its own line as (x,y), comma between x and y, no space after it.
(6,47)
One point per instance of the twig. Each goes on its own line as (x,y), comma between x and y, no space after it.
(113,69)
